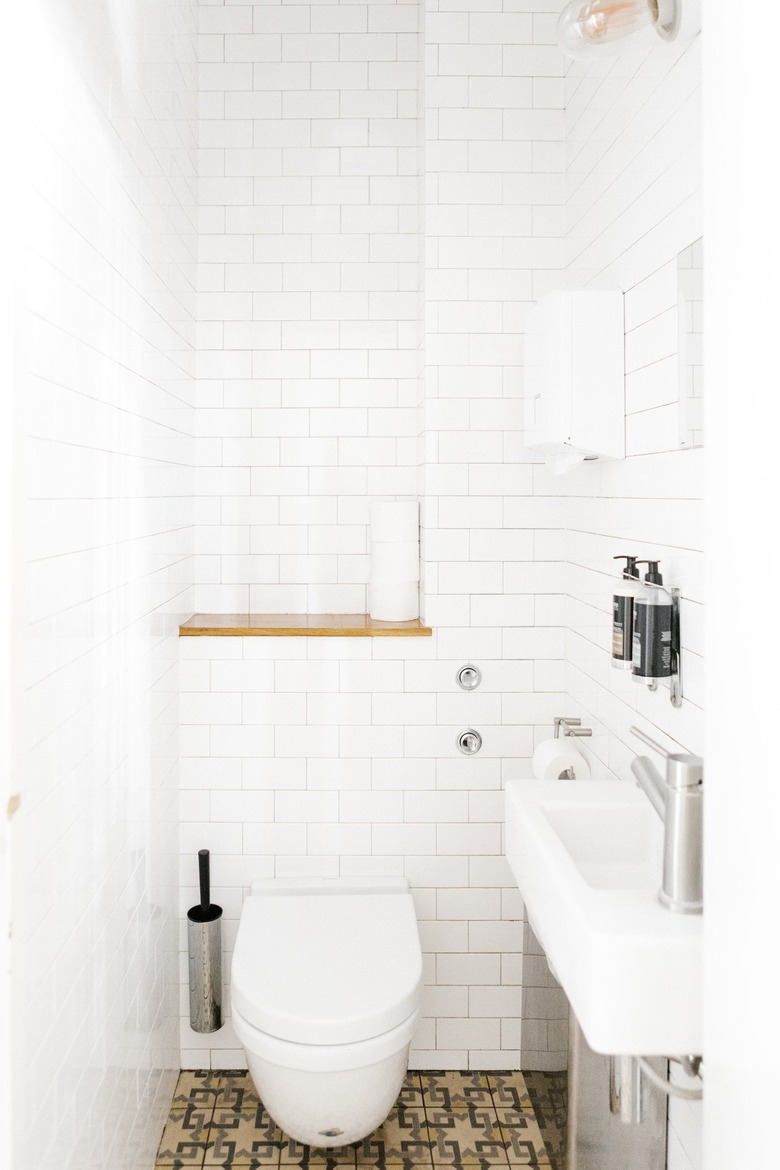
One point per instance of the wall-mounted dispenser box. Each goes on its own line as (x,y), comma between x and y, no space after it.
(574,377)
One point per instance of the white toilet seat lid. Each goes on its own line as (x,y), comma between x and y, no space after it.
(327,970)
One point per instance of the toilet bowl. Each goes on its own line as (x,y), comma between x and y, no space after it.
(325,992)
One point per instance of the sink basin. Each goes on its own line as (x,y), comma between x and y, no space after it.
(608,855)
(586,855)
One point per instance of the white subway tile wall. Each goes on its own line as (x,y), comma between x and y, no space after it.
(336,756)
(633,202)
(101,570)
(515,560)
(309,354)
(313,318)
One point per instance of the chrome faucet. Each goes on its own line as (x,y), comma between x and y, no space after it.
(678,799)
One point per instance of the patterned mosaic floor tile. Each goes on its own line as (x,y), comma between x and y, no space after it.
(237,1097)
(411,1090)
(510,1092)
(196,1087)
(295,1153)
(455,1092)
(244,1130)
(484,1164)
(549,1095)
(456,1150)
(402,1140)
(473,1138)
(462,1120)
(517,1120)
(441,1121)
(233,1165)
(245,1136)
(186,1136)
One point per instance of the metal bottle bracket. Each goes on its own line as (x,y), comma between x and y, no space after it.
(675,678)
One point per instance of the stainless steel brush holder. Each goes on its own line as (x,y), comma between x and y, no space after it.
(204,940)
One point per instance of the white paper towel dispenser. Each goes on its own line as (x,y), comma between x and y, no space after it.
(574,377)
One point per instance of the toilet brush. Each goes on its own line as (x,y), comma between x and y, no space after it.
(204,878)
(204,938)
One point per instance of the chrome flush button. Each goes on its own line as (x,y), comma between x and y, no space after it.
(469,677)
(469,742)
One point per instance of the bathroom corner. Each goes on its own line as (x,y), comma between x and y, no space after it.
(268,267)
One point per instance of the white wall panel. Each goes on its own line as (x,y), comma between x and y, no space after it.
(102,406)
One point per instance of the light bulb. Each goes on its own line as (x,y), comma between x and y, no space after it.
(591,28)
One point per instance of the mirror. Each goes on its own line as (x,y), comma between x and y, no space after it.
(690,311)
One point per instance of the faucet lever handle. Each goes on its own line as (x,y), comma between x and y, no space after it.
(650,742)
(682,770)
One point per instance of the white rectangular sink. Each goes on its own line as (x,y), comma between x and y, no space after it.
(586,856)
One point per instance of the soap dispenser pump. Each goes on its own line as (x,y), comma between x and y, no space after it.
(623,598)
(653,622)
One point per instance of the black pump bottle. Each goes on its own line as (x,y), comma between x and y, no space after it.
(623,599)
(652,643)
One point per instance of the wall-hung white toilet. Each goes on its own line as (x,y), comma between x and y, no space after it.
(325,991)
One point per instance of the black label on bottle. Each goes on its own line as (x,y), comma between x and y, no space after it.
(652,649)
(622,628)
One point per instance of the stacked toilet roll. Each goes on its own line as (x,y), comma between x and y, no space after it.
(395,561)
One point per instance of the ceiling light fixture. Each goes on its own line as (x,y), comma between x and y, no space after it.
(592,28)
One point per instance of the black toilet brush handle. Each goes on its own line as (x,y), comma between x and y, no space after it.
(203,873)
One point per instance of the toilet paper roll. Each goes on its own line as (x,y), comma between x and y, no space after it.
(395,560)
(554,756)
(393,601)
(394,521)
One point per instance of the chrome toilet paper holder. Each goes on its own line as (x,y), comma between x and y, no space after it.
(567,725)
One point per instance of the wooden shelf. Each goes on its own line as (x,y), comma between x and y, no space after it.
(298,625)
